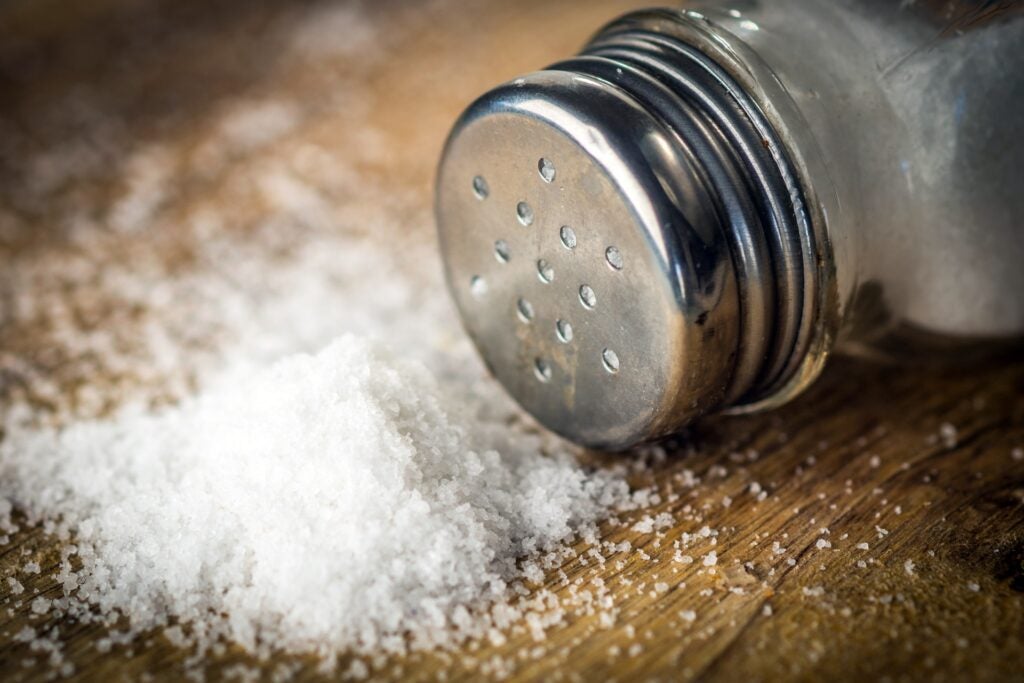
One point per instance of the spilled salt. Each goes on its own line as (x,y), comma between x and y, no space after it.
(333,500)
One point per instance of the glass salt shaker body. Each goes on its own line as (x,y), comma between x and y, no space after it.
(913,114)
(805,176)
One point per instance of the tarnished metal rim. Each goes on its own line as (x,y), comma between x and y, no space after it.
(793,143)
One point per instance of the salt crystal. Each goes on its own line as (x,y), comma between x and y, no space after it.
(357,671)
(711,559)
(948,434)
(645,525)
(682,559)
(40,605)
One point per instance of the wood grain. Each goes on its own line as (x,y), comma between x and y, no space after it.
(863,457)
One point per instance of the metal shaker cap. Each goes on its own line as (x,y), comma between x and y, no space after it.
(594,256)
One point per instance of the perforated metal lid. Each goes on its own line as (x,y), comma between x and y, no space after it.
(562,246)
(619,244)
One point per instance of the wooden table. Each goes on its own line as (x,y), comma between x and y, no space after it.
(862,458)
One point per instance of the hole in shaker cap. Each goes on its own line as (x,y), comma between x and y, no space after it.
(546,170)
(524,213)
(542,369)
(525,310)
(587,296)
(563,330)
(480,188)
(610,360)
(477,286)
(544,271)
(501,251)
(614,257)
(568,237)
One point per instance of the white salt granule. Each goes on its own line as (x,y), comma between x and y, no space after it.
(711,559)
(948,434)
(332,500)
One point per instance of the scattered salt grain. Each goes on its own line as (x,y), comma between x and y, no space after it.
(40,605)
(711,559)
(948,434)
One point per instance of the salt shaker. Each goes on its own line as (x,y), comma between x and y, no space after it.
(693,213)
